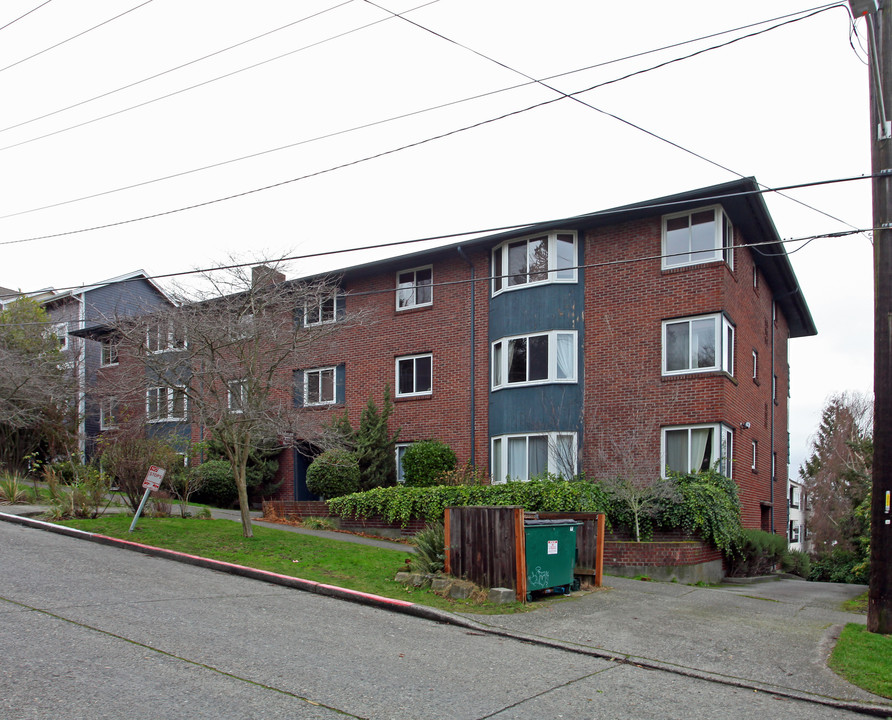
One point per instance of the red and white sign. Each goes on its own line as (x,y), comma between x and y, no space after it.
(153,478)
(552,547)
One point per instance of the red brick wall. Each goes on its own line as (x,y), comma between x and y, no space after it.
(627,399)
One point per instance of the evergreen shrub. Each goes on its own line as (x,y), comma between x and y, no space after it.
(334,473)
(217,484)
(424,462)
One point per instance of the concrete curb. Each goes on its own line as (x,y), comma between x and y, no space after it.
(441,616)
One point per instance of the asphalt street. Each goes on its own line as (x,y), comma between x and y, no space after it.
(93,631)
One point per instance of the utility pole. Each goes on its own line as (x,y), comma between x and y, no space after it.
(879,24)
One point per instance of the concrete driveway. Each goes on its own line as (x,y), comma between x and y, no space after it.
(773,635)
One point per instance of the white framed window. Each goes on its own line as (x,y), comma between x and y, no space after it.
(319,386)
(164,336)
(237,395)
(541,358)
(697,448)
(322,309)
(698,344)
(400,452)
(521,457)
(415,288)
(108,413)
(795,495)
(698,236)
(108,352)
(546,258)
(165,404)
(414,375)
(794,532)
(60,330)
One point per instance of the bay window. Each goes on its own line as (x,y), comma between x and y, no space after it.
(534,359)
(697,448)
(698,344)
(550,257)
(521,457)
(700,236)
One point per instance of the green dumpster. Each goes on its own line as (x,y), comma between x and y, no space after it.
(550,555)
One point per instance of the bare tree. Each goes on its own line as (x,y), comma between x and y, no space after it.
(37,391)
(641,490)
(225,358)
(837,475)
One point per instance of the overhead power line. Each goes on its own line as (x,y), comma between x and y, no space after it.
(382,121)
(562,96)
(74,37)
(656,207)
(12,22)
(790,19)
(205,82)
(175,68)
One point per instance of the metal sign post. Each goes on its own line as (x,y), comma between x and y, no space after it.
(152,482)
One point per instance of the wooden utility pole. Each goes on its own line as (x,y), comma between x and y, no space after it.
(879,24)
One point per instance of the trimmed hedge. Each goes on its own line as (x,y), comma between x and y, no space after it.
(424,462)
(334,473)
(402,504)
(707,504)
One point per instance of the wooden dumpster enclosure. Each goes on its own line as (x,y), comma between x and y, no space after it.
(486,545)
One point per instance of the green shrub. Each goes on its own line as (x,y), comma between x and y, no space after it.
(217,484)
(319,523)
(796,562)
(756,552)
(430,549)
(424,461)
(334,473)
(402,504)
(68,472)
(841,566)
(468,474)
(708,507)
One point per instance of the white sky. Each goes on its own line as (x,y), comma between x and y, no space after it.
(788,106)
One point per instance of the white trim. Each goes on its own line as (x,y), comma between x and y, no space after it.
(502,280)
(334,386)
(501,462)
(499,360)
(242,394)
(412,289)
(170,393)
(414,358)
(333,296)
(107,409)
(721,446)
(718,252)
(113,348)
(724,335)
(399,449)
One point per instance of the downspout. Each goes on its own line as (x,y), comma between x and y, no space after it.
(82,380)
(464,257)
(772,470)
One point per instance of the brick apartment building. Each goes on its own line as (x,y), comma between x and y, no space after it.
(636,339)
(76,314)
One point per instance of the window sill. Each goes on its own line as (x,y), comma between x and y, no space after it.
(694,266)
(413,309)
(410,398)
(699,373)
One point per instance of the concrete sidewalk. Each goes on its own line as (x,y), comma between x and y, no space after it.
(771,636)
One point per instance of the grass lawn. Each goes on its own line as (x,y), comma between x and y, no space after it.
(345,564)
(864,659)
